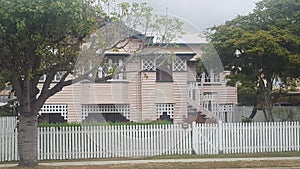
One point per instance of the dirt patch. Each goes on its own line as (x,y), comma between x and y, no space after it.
(192,165)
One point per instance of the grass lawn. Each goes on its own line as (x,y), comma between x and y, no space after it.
(204,165)
(254,155)
(190,165)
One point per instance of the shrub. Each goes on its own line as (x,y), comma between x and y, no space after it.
(101,124)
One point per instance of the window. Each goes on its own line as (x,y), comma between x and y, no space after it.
(56,78)
(207,77)
(42,78)
(211,77)
(3,98)
(199,77)
(216,78)
(164,70)
(8,88)
(116,65)
(194,92)
(110,67)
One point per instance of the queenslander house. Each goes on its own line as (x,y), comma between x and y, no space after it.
(160,85)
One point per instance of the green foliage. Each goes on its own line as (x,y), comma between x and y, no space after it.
(59,124)
(45,37)
(261,48)
(140,123)
(209,60)
(246,120)
(36,28)
(101,124)
(3,81)
(282,15)
(246,96)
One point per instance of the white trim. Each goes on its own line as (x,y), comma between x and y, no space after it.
(55,108)
(179,65)
(164,107)
(149,64)
(123,109)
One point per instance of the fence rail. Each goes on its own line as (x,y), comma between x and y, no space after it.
(8,139)
(113,141)
(153,140)
(229,138)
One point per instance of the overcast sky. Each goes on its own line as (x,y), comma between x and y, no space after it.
(201,14)
(204,13)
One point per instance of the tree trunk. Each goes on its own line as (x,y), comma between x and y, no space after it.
(27,129)
(27,141)
(265,115)
(270,113)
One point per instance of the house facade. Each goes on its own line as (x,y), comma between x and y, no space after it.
(161,84)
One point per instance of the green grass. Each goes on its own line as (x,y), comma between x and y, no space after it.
(59,124)
(182,165)
(253,155)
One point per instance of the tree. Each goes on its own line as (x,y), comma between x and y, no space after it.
(3,82)
(260,49)
(41,37)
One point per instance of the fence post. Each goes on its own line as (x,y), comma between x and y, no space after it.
(193,140)
(220,130)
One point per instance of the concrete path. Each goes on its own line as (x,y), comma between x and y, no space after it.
(81,163)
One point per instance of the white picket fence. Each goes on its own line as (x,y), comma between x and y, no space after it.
(8,139)
(229,138)
(113,141)
(153,140)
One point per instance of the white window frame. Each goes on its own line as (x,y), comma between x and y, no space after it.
(110,64)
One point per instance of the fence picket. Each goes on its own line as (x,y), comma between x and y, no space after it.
(151,140)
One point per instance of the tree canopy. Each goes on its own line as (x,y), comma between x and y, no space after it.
(261,48)
(46,37)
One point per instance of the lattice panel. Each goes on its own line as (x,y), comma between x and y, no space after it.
(179,65)
(124,109)
(149,65)
(209,96)
(226,108)
(55,108)
(161,108)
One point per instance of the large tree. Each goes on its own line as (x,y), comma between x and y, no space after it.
(261,48)
(45,37)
